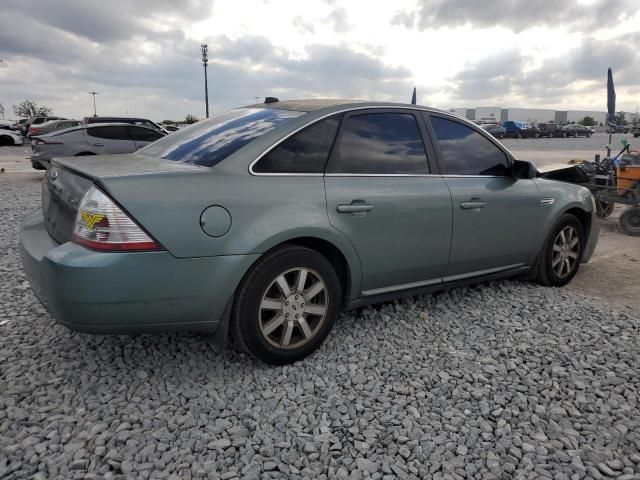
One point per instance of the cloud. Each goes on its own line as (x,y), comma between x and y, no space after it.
(339,19)
(516,15)
(579,71)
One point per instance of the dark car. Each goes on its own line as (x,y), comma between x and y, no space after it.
(143,122)
(520,129)
(577,130)
(552,130)
(495,129)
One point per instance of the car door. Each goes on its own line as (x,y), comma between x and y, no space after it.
(110,139)
(384,197)
(495,215)
(143,136)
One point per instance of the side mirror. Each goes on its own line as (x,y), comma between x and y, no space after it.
(524,170)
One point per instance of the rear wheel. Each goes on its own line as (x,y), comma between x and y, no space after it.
(630,221)
(560,256)
(519,135)
(286,305)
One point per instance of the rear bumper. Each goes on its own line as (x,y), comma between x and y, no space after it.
(113,292)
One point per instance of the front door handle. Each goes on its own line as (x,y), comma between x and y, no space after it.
(473,204)
(98,144)
(354,207)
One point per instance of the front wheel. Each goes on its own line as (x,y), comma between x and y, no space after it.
(286,306)
(560,256)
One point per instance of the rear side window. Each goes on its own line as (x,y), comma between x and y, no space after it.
(144,134)
(466,152)
(305,152)
(109,133)
(381,144)
(208,142)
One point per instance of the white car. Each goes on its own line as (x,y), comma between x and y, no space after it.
(91,139)
(9,137)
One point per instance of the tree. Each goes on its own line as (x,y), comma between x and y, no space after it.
(191,119)
(588,121)
(620,120)
(29,108)
(2,110)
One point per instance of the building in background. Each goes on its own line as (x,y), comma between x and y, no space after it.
(532,115)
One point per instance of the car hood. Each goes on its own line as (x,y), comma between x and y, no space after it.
(109,166)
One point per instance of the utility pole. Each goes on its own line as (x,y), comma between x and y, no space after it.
(204,48)
(94,102)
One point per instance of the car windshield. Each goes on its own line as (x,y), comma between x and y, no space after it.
(209,142)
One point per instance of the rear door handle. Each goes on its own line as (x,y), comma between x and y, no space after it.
(98,144)
(354,208)
(473,204)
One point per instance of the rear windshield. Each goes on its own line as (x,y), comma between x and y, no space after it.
(210,141)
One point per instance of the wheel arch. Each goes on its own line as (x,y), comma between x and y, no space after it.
(583,217)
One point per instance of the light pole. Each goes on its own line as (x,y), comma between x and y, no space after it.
(204,48)
(94,102)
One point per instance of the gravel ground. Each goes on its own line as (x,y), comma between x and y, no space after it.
(507,380)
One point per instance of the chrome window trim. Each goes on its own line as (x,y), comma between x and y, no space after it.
(353,109)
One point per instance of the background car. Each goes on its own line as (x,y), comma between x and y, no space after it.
(144,122)
(495,129)
(10,137)
(635,130)
(51,126)
(93,139)
(551,130)
(267,221)
(577,130)
(520,129)
(26,126)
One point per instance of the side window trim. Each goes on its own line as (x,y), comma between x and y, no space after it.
(334,165)
(443,167)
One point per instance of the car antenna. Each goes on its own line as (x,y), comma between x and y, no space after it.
(271,100)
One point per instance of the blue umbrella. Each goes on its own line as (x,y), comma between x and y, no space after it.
(611,98)
(413,97)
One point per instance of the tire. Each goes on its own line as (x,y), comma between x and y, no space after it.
(259,326)
(588,135)
(546,273)
(550,134)
(501,136)
(564,134)
(38,166)
(519,135)
(6,141)
(630,221)
(536,135)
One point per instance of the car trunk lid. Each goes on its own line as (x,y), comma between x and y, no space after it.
(68,179)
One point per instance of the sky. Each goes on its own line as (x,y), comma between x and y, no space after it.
(143,56)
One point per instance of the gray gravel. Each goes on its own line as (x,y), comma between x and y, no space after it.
(508,380)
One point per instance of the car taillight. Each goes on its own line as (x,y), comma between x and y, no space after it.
(102,225)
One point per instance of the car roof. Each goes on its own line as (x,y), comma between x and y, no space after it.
(336,104)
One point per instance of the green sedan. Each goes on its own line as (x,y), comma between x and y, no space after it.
(265,222)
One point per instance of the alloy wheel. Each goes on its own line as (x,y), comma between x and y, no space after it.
(566,251)
(293,308)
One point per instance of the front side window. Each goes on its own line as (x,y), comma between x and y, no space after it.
(305,152)
(208,142)
(115,132)
(466,152)
(381,144)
